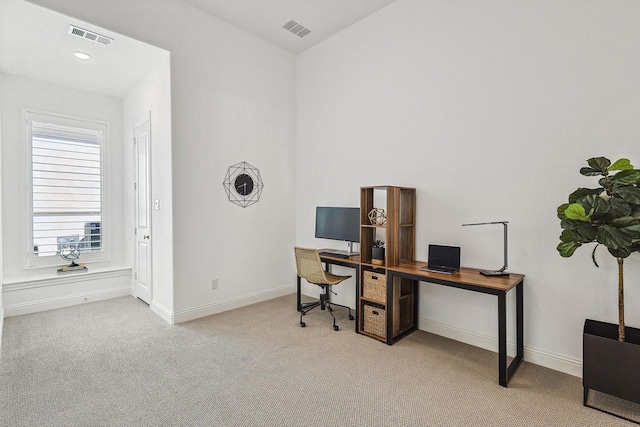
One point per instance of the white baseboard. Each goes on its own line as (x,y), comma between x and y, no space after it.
(568,365)
(162,311)
(220,306)
(1,327)
(65,301)
(553,361)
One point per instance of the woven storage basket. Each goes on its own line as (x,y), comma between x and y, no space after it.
(374,286)
(375,320)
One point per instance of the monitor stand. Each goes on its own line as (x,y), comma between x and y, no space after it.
(348,253)
(343,253)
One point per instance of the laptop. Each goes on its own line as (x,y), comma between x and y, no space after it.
(443,259)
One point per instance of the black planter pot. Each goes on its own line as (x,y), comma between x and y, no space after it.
(608,365)
(377,255)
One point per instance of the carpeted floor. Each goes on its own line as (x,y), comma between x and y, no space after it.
(115,363)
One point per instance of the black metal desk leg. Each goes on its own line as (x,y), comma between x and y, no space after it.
(520,318)
(357,322)
(389,307)
(502,339)
(299,302)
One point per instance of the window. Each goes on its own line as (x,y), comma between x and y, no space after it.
(67,191)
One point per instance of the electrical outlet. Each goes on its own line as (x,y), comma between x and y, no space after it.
(214,284)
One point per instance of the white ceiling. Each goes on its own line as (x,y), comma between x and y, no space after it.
(265,18)
(34,43)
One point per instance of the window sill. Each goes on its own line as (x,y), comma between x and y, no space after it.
(53,279)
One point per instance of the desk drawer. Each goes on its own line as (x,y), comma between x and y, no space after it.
(375,320)
(374,286)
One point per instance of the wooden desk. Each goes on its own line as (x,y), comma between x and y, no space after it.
(471,280)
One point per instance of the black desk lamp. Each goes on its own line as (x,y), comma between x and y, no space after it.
(502,271)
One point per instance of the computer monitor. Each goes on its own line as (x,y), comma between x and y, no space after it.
(338,223)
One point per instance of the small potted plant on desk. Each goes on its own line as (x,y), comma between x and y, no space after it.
(608,215)
(377,252)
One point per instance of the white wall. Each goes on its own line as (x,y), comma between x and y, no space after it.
(152,95)
(24,288)
(489,109)
(232,100)
(1,228)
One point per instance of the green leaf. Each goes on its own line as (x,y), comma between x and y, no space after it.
(595,206)
(589,171)
(626,177)
(576,212)
(628,193)
(585,234)
(621,165)
(561,209)
(567,249)
(613,238)
(625,221)
(600,164)
(628,225)
(619,208)
(582,192)
(570,224)
(569,236)
(605,182)
(620,253)
(633,231)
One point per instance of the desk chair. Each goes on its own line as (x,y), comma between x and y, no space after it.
(310,268)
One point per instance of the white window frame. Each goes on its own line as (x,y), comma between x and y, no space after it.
(32,260)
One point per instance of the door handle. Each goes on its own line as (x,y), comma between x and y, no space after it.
(146,236)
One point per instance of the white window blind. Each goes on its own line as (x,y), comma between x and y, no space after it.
(67,185)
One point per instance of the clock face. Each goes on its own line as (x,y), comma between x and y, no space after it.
(243,184)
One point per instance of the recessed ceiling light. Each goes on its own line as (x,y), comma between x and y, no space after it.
(81,55)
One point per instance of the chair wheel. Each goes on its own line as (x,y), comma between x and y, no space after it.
(335,327)
(351,317)
(302,324)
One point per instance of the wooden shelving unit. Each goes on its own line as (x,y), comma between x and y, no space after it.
(392,313)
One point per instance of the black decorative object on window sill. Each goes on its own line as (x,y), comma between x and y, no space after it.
(71,252)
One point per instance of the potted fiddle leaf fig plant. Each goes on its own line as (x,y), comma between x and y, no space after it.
(609,216)
(377,252)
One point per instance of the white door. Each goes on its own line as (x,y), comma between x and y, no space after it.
(142,268)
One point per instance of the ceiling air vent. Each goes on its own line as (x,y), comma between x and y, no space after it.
(295,28)
(88,35)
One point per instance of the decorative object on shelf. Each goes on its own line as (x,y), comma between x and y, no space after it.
(377,252)
(503,270)
(71,252)
(243,184)
(377,216)
(608,215)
